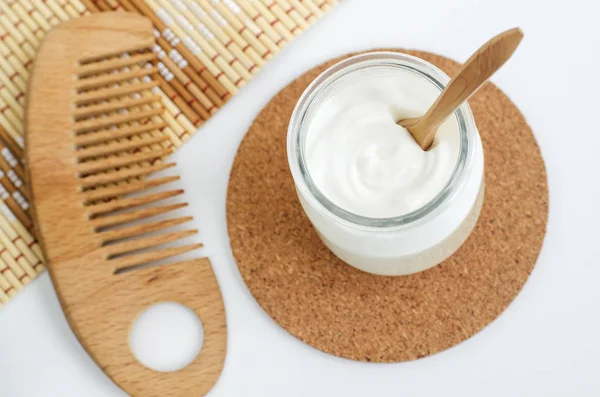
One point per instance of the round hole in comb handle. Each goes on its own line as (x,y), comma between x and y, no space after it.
(166,337)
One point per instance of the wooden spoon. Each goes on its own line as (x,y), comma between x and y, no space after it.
(476,71)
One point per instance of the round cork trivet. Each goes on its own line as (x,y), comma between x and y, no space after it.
(348,313)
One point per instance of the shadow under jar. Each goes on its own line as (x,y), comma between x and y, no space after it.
(407,239)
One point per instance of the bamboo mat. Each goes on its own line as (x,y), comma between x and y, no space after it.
(207,51)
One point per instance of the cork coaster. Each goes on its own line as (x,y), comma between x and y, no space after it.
(348,313)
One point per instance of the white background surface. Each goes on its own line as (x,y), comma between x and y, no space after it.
(548,341)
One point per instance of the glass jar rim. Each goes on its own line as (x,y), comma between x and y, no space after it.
(297,134)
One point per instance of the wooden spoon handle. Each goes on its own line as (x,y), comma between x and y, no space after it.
(473,73)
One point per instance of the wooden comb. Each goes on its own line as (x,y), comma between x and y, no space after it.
(92,136)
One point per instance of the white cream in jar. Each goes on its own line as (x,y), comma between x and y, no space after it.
(377,200)
(364,162)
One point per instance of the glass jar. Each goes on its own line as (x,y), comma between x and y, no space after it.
(398,245)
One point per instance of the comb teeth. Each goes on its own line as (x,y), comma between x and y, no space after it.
(103,108)
(127,217)
(109,192)
(97,165)
(124,146)
(121,175)
(91,68)
(115,120)
(124,132)
(118,141)
(114,78)
(136,260)
(127,203)
(115,92)
(112,236)
(136,245)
